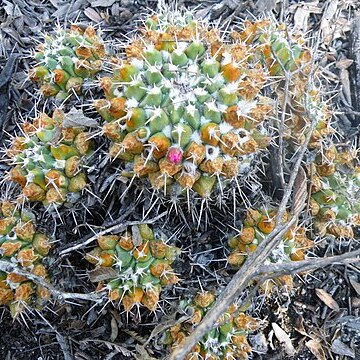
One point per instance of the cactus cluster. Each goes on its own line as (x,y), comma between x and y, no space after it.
(227,339)
(280,51)
(256,226)
(21,244)
(185,110)
(66,60)
(259,223)
(141,263)
(335,186)
(47,159)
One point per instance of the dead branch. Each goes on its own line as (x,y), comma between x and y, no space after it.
(57,294)
(294,267)
(118,227)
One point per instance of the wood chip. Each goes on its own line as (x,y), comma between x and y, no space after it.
(102,274)
(327,299)
(76,117)
(284,339)
(355,285)
(339,348)
(92,14)
(114,329)
(300,193)
(317,350)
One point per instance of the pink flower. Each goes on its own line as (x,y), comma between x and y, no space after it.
(174,155)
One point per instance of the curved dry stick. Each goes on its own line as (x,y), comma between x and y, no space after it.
(81,243)
(59,295)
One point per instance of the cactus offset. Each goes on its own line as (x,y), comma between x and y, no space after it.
(141,263)
(256,226)
(226,340)
(335,185)
(185,110)
(66,60)
(20,243)
(48,159)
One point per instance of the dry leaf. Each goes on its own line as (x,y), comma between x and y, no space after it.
(142,354)
(284,339)
(315,347)
(345,81)
(355,285)
(102,274)
(327,21)
(299,326)
(136,236)
(102,3)
(301,18)
(114,329)
(344,63)
(76,117)
(339,348)
(327,299)
(92,14)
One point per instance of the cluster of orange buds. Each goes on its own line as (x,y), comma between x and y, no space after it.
(256,226)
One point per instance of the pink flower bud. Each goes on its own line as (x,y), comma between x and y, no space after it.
(174,155)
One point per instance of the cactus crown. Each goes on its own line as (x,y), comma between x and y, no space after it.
(22,244)
(227,340)
(47,159)
(185,109)
(66,60)
(141,263)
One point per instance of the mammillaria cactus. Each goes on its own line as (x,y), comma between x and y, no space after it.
(66,60)
(141,266)
(291,62)
(20,243)
(256,226)
(48,159)
(227,340)
(335,186)
(185,110)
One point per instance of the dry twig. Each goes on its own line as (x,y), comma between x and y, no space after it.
(59,295)
(118,227)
